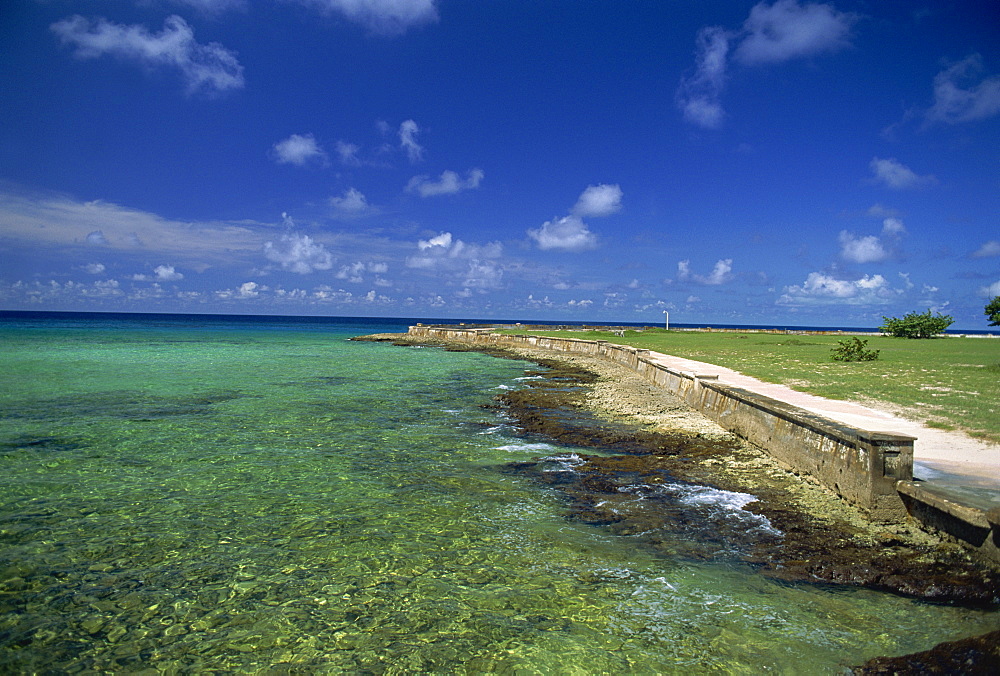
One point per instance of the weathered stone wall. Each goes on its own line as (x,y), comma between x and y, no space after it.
(860,465)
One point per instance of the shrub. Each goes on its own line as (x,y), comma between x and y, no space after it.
(916,325)
(854,349)
(993,311)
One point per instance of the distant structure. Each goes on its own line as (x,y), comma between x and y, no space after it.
(666,320)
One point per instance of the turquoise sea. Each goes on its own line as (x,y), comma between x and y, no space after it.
(185,494)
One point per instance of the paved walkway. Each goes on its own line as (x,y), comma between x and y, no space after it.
(952,460)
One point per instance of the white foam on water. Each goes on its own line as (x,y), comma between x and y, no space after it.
(510,448)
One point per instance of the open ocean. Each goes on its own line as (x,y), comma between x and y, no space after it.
(214,494)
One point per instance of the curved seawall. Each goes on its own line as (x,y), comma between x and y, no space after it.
(872,469)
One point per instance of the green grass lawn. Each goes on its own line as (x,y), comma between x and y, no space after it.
(949,383)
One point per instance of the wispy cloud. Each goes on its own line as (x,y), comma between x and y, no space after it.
(352,203)
(206,68)
(45,219)
(782,31)
(894,174)
(987,250)
(449,183)
(408,131)
(700,95)
(787,30)
(384,17)
(963,94)
(300,150)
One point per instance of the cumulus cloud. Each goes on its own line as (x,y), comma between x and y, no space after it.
(787,30)
(699,96)
(446,251)
(244,291)
(988,250)
(408,131)
(161,273)
(352,203)
(782,31)
(822,289)
(721,273)
(569,233)
(355,272)
(963,94)
(298,253)
(893,174)
(598,200)
(861,249)
(208,68)
(449,183)
(298,149)
(990,291)
(383,17)
(94,268)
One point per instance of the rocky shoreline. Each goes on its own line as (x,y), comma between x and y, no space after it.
(590,402)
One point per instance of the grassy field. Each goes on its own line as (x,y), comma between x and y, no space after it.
(949,383)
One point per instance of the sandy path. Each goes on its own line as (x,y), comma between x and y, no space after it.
(954,452)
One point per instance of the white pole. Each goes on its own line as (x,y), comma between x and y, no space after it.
(666,320)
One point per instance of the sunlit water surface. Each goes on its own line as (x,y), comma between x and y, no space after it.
(233,495)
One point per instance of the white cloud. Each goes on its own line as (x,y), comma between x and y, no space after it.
(244,291)
(444,252)
(298,149)
(787,30)
(385,17)
(354,273)
(821,289)
(97,238)
(893,227)
(699,96)
(861,250)
(161,273)
(49,219)
(959,98)
(449,183)
(599,200)
(207,68)
(897,176)
(720,273)
(988,250)
(352,203)
(483,275)
(990,291)
(348,153)
(569,233)
(298,253)
(773,33)
(94,268)
(212,6)
(408,131)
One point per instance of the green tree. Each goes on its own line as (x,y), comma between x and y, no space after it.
(993,311)
(916,325)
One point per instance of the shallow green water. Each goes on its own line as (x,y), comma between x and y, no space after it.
(250,497)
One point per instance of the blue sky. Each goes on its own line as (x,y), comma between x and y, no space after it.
(792,163)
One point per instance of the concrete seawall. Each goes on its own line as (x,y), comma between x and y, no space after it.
(859,465)
(870,469)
